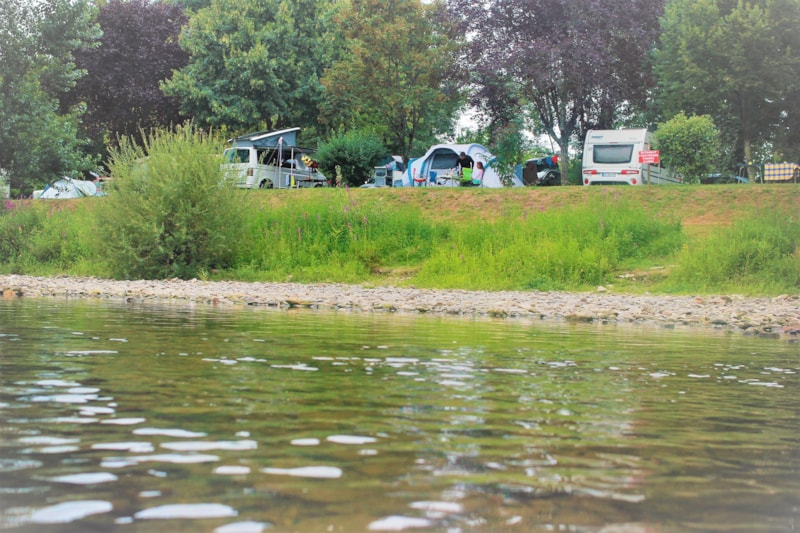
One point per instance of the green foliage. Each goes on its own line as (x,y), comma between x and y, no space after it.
(254,63)
(46,237)
(344,235)
(355,153)
(759,251)
(39,141)
(556,249)
(333,237)
(509,148)
(168,212)
(735,61)
(689,146)
(392,74)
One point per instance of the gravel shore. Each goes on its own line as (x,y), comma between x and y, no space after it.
(777,317)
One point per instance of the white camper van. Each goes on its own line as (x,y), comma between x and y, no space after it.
(612,157)
(266,160)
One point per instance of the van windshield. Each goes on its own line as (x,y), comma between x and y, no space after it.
(611,154)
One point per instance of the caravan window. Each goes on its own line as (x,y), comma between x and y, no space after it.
(611,154)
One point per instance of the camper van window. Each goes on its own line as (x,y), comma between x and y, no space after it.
(264,156)
(612,153)
(236,156)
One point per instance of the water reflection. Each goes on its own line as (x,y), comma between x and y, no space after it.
(246,420)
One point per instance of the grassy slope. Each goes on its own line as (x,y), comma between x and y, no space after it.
(701,209)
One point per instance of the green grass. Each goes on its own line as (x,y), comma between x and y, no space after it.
(336,235)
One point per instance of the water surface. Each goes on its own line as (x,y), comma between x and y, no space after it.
(189,418)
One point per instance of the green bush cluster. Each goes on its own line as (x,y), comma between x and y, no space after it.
(169,213)
(353,155)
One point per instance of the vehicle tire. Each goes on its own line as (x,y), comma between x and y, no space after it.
(266,184)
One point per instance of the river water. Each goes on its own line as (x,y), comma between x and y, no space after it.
(148,417)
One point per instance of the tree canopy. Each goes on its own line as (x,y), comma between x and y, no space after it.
(573,65)
(254,65)
(736,61)
(38,142)
(138,49)
(392,76)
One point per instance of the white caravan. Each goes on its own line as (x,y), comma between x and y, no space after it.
(612,157)
(266,160)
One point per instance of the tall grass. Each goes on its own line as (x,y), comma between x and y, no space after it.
(43,237)
(557,249)
(756,254)
(334,237)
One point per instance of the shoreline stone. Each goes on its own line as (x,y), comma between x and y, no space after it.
(777,317)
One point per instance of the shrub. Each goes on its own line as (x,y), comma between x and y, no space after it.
(168,212)
(355,153)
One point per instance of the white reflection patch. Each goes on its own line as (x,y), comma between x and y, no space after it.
(321,472)
(194,446)
(86,479)
(66,512)
(399,523)
(187,510)
(351,439)
(177,433)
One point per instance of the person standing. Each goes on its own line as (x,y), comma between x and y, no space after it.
(477,174)
(464,161)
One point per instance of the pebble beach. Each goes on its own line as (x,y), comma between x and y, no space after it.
(776,317)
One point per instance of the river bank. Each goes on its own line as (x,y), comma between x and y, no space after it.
(777,317)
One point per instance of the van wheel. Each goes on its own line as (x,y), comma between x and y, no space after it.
(266,184)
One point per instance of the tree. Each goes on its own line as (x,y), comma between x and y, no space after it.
(689,146)
(138,49)
(38,142)
(736,61)
(573,65)
(254,65)
(393,74)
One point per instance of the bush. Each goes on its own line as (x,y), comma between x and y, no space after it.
(689,145)
(168,212)
(355,153)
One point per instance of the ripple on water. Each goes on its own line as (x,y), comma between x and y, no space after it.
(90,478)
(243,527)
(305,442)
(320,472)
(133,447)
(123,421)
(399,523)
(351,439)
(233,470)
(186,510)
(175,433)
(67,512)
(195,446)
